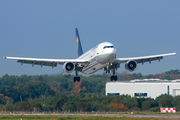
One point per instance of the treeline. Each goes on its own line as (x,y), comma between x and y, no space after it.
(15,90)
(169,75)
(90,102)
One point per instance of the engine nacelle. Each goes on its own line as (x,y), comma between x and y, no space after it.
(68,67)
(131,65)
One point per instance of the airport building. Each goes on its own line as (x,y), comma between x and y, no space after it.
(144,88)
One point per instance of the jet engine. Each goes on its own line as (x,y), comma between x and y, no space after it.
(131,65)
(68,67)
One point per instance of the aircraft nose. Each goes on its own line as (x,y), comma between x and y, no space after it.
(114,50)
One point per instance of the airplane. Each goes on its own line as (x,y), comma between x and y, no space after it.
(102,56)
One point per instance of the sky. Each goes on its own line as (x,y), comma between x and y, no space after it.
(46,29)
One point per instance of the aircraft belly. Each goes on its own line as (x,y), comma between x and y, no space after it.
(93,67)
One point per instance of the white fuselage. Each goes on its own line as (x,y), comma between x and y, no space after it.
(99,57)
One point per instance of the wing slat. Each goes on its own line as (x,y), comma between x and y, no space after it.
(148,59)
(144,58)
(47,62)
(42,63)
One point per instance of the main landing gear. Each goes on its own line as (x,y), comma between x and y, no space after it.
(76,78)
(113,78)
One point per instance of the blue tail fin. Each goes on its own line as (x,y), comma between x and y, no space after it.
(79,47)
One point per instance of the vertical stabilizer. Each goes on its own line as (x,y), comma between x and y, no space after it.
(79,47)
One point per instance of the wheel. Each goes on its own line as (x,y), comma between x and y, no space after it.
(112,78)
(115,78)
(76,79)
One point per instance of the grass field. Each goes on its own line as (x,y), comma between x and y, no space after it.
(19,117)
(102,116)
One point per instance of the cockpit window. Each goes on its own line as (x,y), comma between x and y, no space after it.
(108,47)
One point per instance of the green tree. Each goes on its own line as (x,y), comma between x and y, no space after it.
(174,72)
(146,105)
(165,100)
(69,106)
(176,102)
(23,106)
(9,106)
(63,99)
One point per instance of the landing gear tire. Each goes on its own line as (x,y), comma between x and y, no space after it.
(76,79)
(113,78)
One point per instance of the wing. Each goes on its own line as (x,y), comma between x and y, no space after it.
(144,58)
(46,62)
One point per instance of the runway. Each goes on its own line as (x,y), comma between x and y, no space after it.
(170,116)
